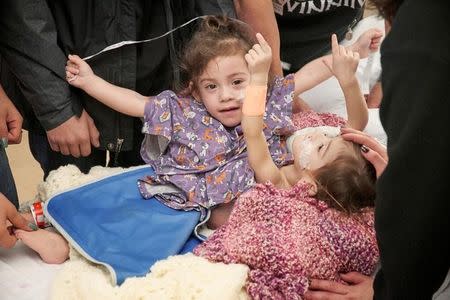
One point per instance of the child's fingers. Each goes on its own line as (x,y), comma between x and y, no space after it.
(70,77)
(252,53)
(249,59)
(334,45)
(262,41)
(342,50)
(71,64)
(75,59)
(72,70)
(258,49)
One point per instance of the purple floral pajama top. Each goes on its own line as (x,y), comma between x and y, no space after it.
(204,159)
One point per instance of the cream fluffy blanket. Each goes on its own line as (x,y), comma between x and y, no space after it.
(178,277)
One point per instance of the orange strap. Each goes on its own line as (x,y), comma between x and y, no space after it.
(255,100)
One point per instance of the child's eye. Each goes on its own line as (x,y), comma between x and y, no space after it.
(238,81)
(211,86)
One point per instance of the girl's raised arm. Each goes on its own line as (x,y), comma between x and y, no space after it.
(126,101)
(258,59)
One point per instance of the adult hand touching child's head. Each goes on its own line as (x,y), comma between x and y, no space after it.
(371,149)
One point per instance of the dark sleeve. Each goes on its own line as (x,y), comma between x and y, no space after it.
(413,206)
(29,47)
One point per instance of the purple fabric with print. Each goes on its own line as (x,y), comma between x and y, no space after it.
(204,159)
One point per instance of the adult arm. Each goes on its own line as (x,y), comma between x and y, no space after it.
(10,119)
(261,17)
(8,213)
(258,59)
(29,46)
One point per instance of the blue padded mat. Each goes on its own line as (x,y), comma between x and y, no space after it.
(109,223)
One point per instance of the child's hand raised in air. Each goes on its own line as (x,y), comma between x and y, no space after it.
(345,62)
(368,42)
(78,72)
(259,59)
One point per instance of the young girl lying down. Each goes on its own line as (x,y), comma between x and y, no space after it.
(203,152)
(309,219)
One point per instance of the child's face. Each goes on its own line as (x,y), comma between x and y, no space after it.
(314,150)
(221,88)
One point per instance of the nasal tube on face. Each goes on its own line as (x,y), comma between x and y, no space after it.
(306,144)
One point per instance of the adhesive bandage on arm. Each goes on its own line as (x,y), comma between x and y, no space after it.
(255,100)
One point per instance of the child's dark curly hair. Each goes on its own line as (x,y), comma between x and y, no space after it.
(216,36)
(347,183)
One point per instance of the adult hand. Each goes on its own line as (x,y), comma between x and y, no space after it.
(10,120)
(358,287)
(371,149)
(75,136)
(9,213)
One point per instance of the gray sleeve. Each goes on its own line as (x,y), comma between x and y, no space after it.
(29,48)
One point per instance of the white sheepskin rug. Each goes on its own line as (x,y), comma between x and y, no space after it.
(177,277)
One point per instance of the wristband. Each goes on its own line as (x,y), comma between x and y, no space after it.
(255,100)
(38,215)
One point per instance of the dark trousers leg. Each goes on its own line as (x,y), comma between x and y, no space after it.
(51,160)
(7,184)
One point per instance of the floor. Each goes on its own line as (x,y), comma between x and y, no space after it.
(26,171)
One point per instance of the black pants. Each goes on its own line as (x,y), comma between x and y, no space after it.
(51,160)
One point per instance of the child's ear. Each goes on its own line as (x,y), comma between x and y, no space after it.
(312,191)
(193,91)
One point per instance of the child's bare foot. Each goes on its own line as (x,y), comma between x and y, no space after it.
(368,42)
(51,247)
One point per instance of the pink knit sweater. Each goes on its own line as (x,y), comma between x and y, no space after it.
(287,238)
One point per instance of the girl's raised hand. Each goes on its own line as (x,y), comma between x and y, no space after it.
(78,72)
(368,42)
(345,62)
(259,58)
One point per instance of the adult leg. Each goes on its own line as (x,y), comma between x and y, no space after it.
(7,184)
